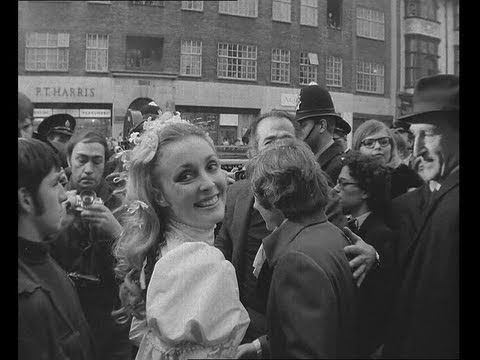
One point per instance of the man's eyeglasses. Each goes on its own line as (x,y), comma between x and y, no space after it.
(370,143)
(342,183)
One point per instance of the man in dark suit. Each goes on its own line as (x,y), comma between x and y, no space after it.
(243,228)
(363,187)
(425,319)
(317,120)
(312,303)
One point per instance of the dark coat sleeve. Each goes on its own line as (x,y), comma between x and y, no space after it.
(223,241)
(334,211)
(306,307)
(38,330)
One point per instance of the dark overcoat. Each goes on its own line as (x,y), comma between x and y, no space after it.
(312,302)
(331,161)
(425,321)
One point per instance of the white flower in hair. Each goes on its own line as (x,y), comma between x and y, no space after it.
(134,138)
(163,120)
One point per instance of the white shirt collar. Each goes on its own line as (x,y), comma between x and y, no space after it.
(434,185)
(361,219)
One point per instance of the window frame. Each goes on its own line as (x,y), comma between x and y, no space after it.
(280,3)
(185,3)
(225,10)
(183,55)
(333,72)
(227,61)
(381,76)
(304,5)
(157,3)
(340,16)
(308,68)
(411,75)
(370,22)
(35,49)
(96,48)
(280,62)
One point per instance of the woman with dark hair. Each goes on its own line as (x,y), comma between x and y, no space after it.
(374,138)
(364,190)
(311,307)
(182,292)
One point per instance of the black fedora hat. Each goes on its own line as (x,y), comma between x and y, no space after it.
(434,96)
(151,108)
(315,101)
(58,123)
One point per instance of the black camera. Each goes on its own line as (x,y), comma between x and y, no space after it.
(85,199)
(240,174)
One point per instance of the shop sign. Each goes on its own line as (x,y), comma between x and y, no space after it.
(289,100)
(58,91)
(96,113)
(74,112)
(42,113)
(228,119)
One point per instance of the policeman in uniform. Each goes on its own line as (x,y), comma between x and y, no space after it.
(56,130)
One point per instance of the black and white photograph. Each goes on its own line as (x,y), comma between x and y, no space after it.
(238,179)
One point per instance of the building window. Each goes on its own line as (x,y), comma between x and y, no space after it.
(47,51)
(370,77)
(333,71)
(370,23)
(192,5)
(191,58)
(425,9)
(308,67)
(280,66)
(456,15)
(96,57)
(421,58)
(334,13)
(248,8)
(309,12)
(144,53)
(456,56)
(281,10)
(237,62)
(149,3)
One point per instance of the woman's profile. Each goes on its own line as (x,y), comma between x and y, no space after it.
(176,191)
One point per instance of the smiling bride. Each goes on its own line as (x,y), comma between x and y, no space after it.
(180,290)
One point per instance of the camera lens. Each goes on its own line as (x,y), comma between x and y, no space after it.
(88,197)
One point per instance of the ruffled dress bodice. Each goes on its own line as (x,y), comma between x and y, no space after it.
(192,305)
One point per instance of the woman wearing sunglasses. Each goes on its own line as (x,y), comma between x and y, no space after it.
(374,138)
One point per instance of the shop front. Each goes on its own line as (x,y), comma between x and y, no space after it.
(88,99)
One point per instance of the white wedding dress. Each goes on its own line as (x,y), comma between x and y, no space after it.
(192,306)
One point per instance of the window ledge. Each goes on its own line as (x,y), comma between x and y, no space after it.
(309,25)
(98,71)
(232,79)
(335,86)
(282,21)
(194,10)
(144,74)
(370,38)
(190,76)
(243,16)
(371,93)
(44,70)
(423,18)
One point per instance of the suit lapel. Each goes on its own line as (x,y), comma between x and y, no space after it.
(450,183)
(241,218)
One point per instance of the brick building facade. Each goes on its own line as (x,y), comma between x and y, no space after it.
(219,63)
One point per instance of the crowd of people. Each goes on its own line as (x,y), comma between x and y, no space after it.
(152,251)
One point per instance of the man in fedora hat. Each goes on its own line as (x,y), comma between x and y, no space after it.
(56,130)
(425,317)
(317,119)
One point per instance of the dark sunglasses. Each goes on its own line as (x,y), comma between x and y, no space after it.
(370,143)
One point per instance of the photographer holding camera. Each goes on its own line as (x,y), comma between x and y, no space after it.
(83,246)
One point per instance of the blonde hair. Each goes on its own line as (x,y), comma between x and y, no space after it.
(371,127)
(145,222)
